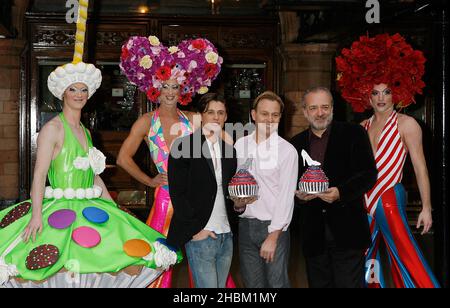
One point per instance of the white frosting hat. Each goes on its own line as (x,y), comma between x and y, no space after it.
(68,74)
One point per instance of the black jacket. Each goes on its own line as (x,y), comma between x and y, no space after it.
(193,186)
(350,166)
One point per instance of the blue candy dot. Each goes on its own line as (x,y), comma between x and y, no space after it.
(95,215)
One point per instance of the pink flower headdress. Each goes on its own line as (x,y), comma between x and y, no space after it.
(194,64)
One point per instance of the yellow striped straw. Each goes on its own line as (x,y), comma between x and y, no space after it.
(81,31)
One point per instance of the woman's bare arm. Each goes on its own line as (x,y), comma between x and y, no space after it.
(46,145)
(129,148)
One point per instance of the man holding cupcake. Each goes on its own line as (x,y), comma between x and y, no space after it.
(264,240)
(333,223)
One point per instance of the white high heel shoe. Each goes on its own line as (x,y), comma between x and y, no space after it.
(309,160)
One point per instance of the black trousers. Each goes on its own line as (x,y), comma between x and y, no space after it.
(336,268)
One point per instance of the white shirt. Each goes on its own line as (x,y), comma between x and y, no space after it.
(275,168)
(218,222)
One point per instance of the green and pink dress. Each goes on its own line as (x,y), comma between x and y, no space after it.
(162,210)
(86,241)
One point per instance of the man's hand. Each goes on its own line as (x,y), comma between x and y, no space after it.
(269,246)
(330,196)
(203,235)
(425,220)
(304,196)
(241,203)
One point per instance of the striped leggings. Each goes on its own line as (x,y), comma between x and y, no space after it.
(408,266)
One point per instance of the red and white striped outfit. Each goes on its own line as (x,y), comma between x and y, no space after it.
(390,158)
(386,205)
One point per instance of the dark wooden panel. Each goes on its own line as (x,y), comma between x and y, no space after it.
(112,36)
(247,38)
(55,35)
(174,34)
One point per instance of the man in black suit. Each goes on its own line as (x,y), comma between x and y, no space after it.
(334,226)
(199,169)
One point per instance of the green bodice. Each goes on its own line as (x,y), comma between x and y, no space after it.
(62,172)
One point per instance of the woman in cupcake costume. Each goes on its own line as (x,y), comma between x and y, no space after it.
(168,76)
(71,234)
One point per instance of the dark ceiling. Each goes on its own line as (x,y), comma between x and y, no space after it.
(320,20)
(173,7)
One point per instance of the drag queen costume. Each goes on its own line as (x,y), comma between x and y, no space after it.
(389,60)
(86,241)
(194,64)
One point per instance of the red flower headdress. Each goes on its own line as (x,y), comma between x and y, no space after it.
(381,59)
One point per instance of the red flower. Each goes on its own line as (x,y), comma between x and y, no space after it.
(153,94)
(210,70)
(125,53)
(199,44)
(164,73)
(185,99)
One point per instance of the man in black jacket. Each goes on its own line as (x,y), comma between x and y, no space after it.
(334,226)
(199,169)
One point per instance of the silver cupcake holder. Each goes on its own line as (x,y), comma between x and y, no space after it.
(313,188)
(242,197)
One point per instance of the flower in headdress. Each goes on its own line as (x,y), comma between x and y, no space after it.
(192,65)
(199,44)
(210,70)
(154,41)
(153,94)
(212,57)
(203,90)
(185,99)
(164,73)
(125,53)
(173,49)
(146,62)
(156,50)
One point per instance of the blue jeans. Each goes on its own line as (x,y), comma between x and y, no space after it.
(210,260)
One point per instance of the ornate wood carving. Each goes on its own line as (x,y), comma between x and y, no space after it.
(54,37)
(113,38)
(176,38)
(263,38)
(174,35)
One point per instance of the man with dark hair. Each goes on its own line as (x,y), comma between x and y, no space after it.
(200,167)
(334,228)
(203,103)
